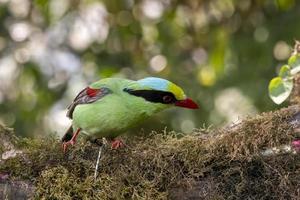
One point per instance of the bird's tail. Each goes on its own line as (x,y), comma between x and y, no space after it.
(68,135)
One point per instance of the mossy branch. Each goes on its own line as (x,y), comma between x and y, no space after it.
(245,160)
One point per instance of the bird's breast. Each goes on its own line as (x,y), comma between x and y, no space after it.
(110,116)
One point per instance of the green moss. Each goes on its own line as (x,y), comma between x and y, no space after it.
(228,162)
(8,139)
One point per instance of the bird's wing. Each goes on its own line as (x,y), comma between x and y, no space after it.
(86,96)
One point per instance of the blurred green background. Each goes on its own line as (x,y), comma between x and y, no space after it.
(222,52)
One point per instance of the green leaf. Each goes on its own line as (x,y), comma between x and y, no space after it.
(285,72)
(280,89)
(294,63)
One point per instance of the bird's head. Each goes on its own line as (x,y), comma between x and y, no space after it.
(158,90)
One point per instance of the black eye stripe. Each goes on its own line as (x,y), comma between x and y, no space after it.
(155,96)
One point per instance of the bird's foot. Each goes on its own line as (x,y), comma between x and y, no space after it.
(115,144)
(66,144)
(70,142)
(296,145)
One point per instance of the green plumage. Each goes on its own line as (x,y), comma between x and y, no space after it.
(114,113)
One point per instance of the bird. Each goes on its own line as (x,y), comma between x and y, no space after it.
(111,106)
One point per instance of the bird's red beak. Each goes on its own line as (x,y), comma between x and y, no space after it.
(187,103)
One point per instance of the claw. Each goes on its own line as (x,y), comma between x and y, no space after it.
(70,142)
(64,147)
(66,144)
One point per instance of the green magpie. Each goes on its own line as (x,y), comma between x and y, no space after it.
(111,106)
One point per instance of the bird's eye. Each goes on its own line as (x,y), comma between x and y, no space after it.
(167,99)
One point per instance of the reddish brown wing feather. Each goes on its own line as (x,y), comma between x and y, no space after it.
(87,95)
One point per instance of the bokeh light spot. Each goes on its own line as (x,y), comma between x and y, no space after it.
(124,18)
(158,63)
(19,8)
(261,34)
(232,104)
(19,31)
(21,55)
(281,50)
(199,56)
(152,9)
(187,126)
(206,76)
(91,25)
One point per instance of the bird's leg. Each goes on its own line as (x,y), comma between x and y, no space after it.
(103,144)
(72,141)
(116,143)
